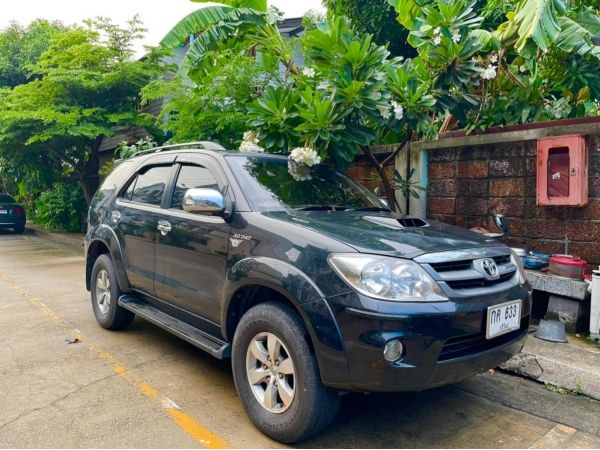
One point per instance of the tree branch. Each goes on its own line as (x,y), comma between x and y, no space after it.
(385,181)
(398,150)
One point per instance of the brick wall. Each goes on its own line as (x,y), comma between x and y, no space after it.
(467,185)
(361,171)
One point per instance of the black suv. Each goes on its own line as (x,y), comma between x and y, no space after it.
(306,281)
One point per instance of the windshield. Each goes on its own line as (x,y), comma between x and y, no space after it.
(5,198)
(270,185)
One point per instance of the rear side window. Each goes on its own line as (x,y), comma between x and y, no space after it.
(149,186)
(117,177)
(192,177)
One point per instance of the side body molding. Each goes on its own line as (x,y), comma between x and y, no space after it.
(107,236)
(308,301)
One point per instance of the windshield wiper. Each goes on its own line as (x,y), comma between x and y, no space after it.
(321,208)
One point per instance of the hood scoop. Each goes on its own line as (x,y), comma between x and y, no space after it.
(397,223)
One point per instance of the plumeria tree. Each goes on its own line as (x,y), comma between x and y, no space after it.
(350,93)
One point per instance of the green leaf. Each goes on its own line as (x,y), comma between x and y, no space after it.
(538,20)
(590,22)
(235,24)
(359,134)
(574,37)
(483,40)
(407,10)
(195,23)
(259,5)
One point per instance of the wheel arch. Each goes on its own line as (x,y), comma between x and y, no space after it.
(104,241)
(257,280)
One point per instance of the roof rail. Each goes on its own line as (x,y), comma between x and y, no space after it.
(205,145)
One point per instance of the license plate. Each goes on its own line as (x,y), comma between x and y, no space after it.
(3,211)
(503,318)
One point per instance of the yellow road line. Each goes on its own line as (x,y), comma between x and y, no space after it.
(555,437)
(182,419)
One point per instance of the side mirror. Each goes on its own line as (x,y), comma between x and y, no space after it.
(204,201)
(501,222)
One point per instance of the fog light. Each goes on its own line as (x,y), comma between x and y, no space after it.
(393,350)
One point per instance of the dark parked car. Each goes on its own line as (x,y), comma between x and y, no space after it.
(12,214)
(312,288)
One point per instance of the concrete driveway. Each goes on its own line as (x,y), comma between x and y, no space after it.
(66,382)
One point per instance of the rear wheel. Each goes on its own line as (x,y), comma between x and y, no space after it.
(105,296)
(277,376)
(19,229)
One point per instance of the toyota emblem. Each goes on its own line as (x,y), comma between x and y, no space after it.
(488,268)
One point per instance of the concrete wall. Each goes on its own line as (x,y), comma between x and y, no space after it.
(467,184)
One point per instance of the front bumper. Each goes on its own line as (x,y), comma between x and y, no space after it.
(443,342)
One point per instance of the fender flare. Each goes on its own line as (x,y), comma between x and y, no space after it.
(307,299)
(106,235)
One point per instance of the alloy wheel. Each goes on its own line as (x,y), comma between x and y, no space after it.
(103,296)
(270,372)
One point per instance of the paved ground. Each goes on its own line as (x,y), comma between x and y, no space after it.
(145,388)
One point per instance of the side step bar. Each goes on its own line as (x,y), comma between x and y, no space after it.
(217,348)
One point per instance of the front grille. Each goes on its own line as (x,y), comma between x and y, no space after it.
(500,260)
(451,266)
(480,282)
(461,273)
(475,343)
(466,264)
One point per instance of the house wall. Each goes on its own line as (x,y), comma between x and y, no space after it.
(470,183)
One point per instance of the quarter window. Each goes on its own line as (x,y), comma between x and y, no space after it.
(149,185)
(192,177)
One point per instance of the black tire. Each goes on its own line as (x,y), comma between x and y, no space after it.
(19,229)
(313,406)
(113,317)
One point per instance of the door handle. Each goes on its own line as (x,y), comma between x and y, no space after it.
(115,216)
(164,227)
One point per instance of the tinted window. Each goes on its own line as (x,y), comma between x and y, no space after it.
(5,198)
(117,177)
(192,177)
(269,183)
(129,191)
(150,185)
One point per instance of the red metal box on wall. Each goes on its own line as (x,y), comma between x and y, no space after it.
(562,171)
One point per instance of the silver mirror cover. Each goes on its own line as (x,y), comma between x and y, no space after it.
(203,201)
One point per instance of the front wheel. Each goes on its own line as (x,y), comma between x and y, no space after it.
(277,377)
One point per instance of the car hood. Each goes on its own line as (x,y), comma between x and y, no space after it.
(381,233)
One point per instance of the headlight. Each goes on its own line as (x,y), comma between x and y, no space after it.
(386,278)
(517,261)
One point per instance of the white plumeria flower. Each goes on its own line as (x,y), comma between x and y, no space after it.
(385,111)
(398,110)
(309,72)
(251,136)
(437,40)
(456,36)
(494,59)
(306,156)
(489,73)
(437,30)
(248,146)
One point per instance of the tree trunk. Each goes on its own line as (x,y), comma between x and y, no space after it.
(388,188)
(91,179)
